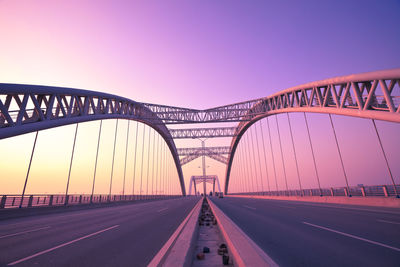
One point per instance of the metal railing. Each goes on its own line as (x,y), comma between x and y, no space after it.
(357,191)
(16,201)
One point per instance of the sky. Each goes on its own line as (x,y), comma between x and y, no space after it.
(196,54)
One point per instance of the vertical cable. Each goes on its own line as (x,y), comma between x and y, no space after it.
(312,152)
(283,160)
(152,167)
(386,160)
(295,155)
(148,164)
(245,169)
(157,164)
(259,158)
(272,154)
(70,165)
(112,166)
(265,155)
(134,164)
(126,155)
(163,167)
(95,164)
(249,172)
(254,158)
(167,173)
(239,160)
(340,154)
(29,169)
(141,168)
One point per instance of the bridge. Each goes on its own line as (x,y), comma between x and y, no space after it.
(94,174)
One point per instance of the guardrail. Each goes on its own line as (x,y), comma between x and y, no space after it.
(16,201)
(359,191)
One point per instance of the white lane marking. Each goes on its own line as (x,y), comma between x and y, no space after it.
(60,246)
(388,222)
(162,209)
(353,236)
(348,208)
(89,211)
(249,207)
(24,232)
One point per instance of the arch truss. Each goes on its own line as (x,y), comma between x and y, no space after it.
(27,108)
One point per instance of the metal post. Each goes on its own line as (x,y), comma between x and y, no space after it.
(340,154)
(134,164)
(214,187)
(3,202)
(280,145)
(29,169)
(272,154)
(95,165)
(126,155)
(70,165)
(386,160)
(112,166)
(295,155)
(312,152)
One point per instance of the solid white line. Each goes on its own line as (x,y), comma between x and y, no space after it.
(353,236)
(60,246)
(24,232)
(249,207)
(347,208)
(388,222)
(162,209)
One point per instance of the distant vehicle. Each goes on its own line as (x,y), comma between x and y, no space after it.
(220,195)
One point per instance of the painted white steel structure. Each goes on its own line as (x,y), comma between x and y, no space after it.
(211,179)
(29,108)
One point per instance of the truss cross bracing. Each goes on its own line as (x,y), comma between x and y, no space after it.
(29,108)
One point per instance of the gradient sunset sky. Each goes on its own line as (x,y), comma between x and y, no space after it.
(196,54)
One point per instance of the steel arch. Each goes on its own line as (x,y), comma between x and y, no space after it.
(353,95)
(57,106)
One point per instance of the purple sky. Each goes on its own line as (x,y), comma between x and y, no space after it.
(197,54)
(194,53)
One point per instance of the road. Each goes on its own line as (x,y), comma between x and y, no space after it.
(313,234)
(126,235)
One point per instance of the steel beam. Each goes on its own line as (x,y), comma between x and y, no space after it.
(203,132)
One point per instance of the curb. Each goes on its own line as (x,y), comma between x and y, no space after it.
(244,251)
(178,250)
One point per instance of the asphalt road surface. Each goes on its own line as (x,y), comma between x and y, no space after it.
(126,235)
(313,234)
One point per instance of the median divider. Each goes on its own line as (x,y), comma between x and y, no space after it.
(243,250)
(178,250)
